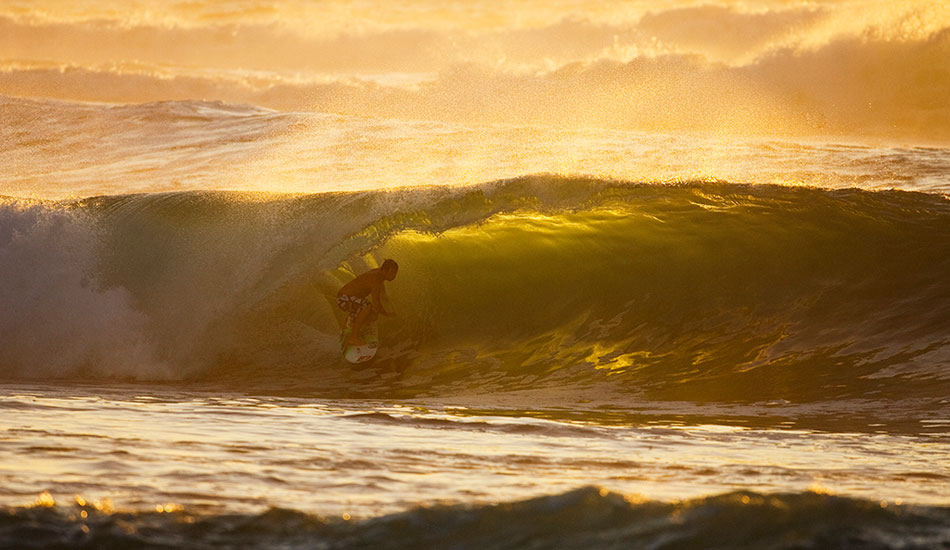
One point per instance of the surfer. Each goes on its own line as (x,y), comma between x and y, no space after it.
(363,298)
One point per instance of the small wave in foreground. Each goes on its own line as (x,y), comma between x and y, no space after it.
(588,518)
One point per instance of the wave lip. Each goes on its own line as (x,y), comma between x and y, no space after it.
(587,518)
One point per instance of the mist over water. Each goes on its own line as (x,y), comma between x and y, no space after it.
(875,69)
(55,149)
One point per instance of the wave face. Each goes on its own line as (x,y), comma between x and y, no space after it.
(704,291)
(588,518)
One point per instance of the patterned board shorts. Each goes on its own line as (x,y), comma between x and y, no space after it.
(352,304)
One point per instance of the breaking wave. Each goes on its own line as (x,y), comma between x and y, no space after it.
(700,291)
(799,71)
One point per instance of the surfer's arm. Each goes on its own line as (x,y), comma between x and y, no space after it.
(379,291)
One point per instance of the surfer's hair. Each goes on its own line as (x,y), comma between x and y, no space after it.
(389,265)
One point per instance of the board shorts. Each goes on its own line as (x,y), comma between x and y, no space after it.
(353,304)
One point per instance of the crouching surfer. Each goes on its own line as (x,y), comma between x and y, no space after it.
(363,298)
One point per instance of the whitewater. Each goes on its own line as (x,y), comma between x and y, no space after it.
(660,285)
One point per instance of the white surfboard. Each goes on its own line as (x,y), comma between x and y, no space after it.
(370,335)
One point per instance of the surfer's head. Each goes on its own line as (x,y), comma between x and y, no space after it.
(389,269)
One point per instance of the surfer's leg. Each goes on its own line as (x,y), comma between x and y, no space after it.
(354,338)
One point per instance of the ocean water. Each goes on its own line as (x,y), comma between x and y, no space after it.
(160,467)
(660,286)
(577,361)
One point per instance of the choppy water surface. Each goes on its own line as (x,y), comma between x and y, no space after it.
(210,455)
(56,149)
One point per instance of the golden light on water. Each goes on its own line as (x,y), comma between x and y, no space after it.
(168,508)
(45,500)
(461,94)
